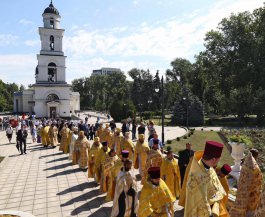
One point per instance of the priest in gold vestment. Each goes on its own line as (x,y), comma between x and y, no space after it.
(53,135)
(204,192)
(155,198)
(249,189)
(125,201)
(92,158)
(82,146)
(140,155)
(65,133)
(102,155)
(222,173)
(117,139)
(106,166)
(114,173)
(128,145)
(170,173)
(154,159)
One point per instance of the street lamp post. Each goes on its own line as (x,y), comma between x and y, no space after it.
(162,105)
(187,114)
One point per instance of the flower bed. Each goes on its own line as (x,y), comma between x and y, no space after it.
(255,139)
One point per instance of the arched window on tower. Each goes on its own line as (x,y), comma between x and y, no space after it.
(52,97)
(51,23)
(52,72)
(52,42)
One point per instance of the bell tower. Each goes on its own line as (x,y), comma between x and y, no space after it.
(51,60)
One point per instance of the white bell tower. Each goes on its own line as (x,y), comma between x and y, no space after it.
(52,93)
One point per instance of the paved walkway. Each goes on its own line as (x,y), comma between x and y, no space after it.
(44,183)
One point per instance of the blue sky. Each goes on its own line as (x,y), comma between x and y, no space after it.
(110,33)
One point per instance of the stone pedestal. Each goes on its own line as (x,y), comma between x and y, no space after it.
(237,155)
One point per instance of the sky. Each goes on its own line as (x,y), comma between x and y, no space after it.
(125,34)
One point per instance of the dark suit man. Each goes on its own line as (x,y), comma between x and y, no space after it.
(183,161)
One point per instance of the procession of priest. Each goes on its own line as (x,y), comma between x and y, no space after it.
(193,179)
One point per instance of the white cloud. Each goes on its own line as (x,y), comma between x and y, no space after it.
(25,22)
(32,43)
(135,2)
(18,68)
(166,39)
(7,39)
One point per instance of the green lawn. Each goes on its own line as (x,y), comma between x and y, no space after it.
(198,140)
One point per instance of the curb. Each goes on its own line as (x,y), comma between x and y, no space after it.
(14,212)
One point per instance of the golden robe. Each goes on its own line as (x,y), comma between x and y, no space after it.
(249,187)
(109,139)
(260,211)
(204,192)
(65,131)
(113,176)
(154,159)
(140,156)
(99,161)
(128,145)
(43,137)
(83,147)
(105,182)
(53,135)
(223,210)
(46,133)
(125,181)
(92,158)
(100,133)
(72,146)
(182,196)
(156,200)
(117,144)
(170,173)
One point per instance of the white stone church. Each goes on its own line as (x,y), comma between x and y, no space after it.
(51,95)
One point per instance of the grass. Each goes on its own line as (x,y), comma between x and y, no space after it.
(1,158)
(198,140)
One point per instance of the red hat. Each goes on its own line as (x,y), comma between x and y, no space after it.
(125,154)
(226,169)
(154,172)
(213,149)
(104,143)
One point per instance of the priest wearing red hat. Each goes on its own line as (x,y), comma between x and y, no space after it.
(204,192)
(154,159)
(156,199)
(119,164)
(222,174)
(125,203)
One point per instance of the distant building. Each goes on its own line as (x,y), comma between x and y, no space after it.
(105,71)
(50,96)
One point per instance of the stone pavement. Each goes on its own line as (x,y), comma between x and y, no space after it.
(44,183)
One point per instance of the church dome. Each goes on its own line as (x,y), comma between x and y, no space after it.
(51,10)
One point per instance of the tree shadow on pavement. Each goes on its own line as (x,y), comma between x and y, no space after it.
(82,197)
(92,204)
(66,172)
(58,159)
(102,212)
(61,166)
(51,155)
(80,187)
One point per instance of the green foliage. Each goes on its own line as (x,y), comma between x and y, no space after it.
(121,110)
(185,137)
(169,141)
(6,96)
(188,111)
(239,139)
(178,139)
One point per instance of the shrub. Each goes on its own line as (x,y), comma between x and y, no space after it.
(201,129)
(169,141)
(185,137)
(178,139)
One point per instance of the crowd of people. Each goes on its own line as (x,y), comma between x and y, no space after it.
(111,158)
